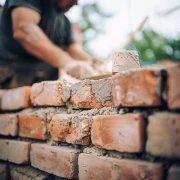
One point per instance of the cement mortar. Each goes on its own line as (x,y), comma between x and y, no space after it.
(66,92)
(94,151)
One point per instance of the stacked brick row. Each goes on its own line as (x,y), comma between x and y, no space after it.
(123,127)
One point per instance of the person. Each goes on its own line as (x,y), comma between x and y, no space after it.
(36,39)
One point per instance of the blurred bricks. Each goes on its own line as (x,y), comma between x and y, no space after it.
(60,161)
(93,167)
(15,99)
(47,93)
(124,133)
(73,129)
(91,94)
(137,88)
(164,135)
(4,171)
(27,173)
(8,124)
(14,151)
(173,87)
(174,173)
(1,94)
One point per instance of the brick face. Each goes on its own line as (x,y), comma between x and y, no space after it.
(70,128)
(56,160)
(164,135)
(173,88)
(93,167)
(1,94)
(9,124)
(15,99)
(137,88)
(174,173)
(14,151)
(91,94)
(124,133)
(47,93)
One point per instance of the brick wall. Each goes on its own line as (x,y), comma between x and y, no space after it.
(125,127)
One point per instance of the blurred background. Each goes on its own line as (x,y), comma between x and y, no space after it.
(104,26)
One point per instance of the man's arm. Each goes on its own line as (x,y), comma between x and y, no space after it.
(34,40)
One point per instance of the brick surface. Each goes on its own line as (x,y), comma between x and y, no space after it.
(55,160)
(174,173)
(93,167)
(47,93)
(164,134)
(4,171)
(70,128)
(91,94)
(29,173)
(173,87)
(14,151)
(137,88)
(15,99)
(9,124)
(124,133)
(1,94)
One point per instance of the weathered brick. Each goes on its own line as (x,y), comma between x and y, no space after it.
(137,88)
(4,171)
(29,173)
(94,167)
(47,93)
(164,134)
(174,173)
(1,94)
(14,151)
(91,94)
(15,99)
(60,161)
(173,87)
(9,124)
(124,133)
(73,129)
(33,123)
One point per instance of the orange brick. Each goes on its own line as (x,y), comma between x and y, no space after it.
(124,133)
(94,167)
(91,94)
(9,124)
(70,128)
(4,171)
(174,173)
(60,161)
(173,87)
(15,99)
(137,88)
(14,151)
(164,134)
(47,93)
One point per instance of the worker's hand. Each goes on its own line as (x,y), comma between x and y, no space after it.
(80,69)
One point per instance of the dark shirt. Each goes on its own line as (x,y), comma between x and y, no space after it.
(53,22)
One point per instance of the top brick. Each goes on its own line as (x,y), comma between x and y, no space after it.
(15,99)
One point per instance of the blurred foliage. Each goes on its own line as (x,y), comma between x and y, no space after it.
(153,47)
(92,22)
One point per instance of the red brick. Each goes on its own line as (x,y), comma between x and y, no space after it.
(93,167)
(173,87)
(164,134)
(91,94)
(174,173)
(27,173)
(14,151)
(60,161)
(137,88)
(47,93)
(70,128)
(15,99)
(4,171)
(9,124)
(124,133)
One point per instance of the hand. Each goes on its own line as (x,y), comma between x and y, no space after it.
(80,69)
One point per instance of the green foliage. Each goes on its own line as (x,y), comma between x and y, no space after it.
(153,47)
